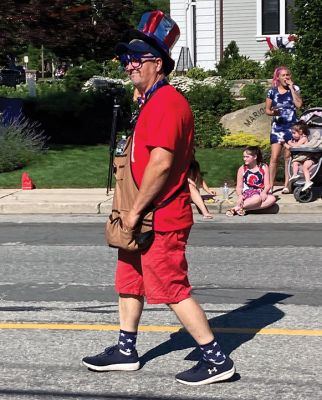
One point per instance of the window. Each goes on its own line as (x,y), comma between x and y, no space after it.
(289,23)
(274,17)
(270,17)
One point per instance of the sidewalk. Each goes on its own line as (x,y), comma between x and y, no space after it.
(96,201)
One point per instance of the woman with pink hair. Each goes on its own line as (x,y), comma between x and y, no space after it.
(281,103)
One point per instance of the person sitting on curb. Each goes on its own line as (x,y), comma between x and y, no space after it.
(196,182)
(253,184)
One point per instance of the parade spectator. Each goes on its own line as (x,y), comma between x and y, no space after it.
(196,182)
(300,133)
(253,184)
(282,100)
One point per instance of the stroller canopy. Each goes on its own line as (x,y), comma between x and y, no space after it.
(313,117)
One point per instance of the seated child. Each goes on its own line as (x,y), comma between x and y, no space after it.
(300,133)
(196,182)
(253,184)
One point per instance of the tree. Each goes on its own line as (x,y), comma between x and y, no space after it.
(10,37)
(141,6)
(79,28)
(71,29)
(308,62)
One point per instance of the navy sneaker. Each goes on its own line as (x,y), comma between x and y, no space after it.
(204,373)
(112,360)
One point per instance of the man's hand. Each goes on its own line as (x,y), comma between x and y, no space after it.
(130,220)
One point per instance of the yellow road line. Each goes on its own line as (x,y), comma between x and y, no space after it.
(156,328)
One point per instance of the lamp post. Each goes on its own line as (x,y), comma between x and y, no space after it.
(26,60)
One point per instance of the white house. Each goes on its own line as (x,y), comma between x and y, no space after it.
(208,26)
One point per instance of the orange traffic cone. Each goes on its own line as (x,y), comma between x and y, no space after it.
(26,182)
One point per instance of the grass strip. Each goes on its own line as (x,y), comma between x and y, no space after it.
(69,166)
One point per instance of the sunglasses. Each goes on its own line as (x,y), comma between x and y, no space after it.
(136,60)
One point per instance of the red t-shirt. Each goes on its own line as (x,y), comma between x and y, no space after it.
(166,121)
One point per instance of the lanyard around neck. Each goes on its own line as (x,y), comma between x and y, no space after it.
(142,100)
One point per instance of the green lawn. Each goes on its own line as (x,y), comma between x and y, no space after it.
(87,166)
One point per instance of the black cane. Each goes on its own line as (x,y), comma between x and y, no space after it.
(116,108)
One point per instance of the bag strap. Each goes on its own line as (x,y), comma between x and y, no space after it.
(134,119)
(151,207)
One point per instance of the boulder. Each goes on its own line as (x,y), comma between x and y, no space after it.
(251,119)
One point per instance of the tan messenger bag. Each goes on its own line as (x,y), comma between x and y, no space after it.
(126,190)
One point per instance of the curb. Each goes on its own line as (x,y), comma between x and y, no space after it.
(97,201)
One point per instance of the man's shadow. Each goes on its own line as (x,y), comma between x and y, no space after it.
(254,315)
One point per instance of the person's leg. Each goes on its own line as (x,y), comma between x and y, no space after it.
(252,203)
(287,156)
(295,167)
(306,169)
(306,172)
(130,310)
(197,199)
(194,319)
(123,356)
(165,272)
(214,366)
(268,202)
(276,149)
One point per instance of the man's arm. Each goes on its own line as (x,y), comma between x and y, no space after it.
(154,178)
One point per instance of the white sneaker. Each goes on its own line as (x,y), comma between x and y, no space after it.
(293,178)
(307,186)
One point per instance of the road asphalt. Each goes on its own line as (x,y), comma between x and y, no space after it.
(98,201)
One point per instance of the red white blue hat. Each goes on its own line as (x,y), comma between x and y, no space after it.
(156,29)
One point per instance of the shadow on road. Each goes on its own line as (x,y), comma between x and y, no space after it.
(255,315)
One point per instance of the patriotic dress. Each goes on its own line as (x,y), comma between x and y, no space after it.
(253,181)
(282,123)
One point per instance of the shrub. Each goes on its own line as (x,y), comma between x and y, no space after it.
(197,73)
(20,91)
(242,68)
(208,130)
(242,139)
(254,93)
(113,69)
(44,88)
(216,99)
(184,84)
(235,66)
(76,76)
(20,142)
(75,118)
(231,53)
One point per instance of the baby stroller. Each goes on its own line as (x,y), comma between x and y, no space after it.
(313,118)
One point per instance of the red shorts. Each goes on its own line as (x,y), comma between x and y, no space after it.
(160,274)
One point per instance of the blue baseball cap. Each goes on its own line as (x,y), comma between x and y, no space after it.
(136,46)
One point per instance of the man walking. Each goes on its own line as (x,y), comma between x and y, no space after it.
(160,158)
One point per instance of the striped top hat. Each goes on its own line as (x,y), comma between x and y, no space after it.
(156,29)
